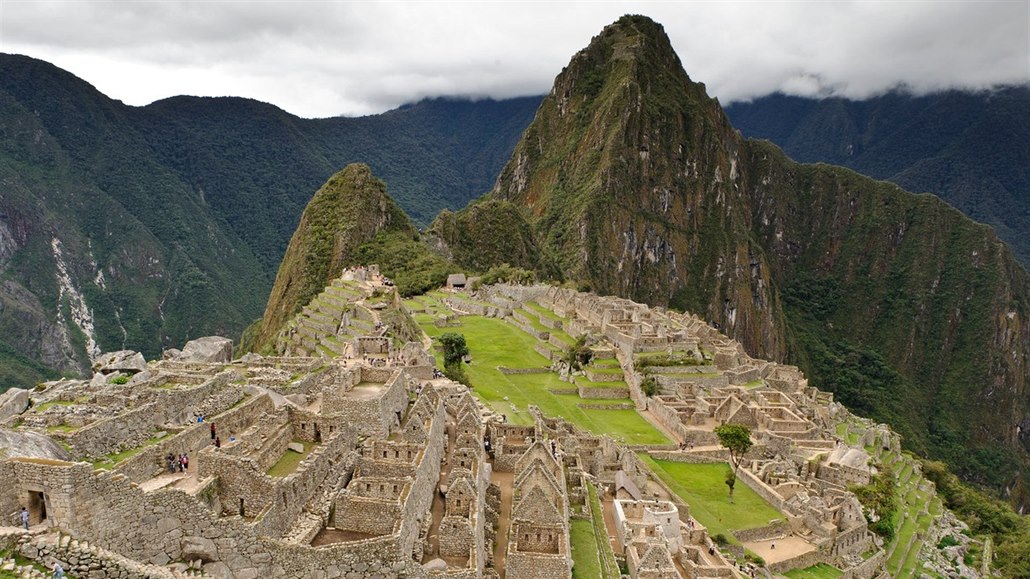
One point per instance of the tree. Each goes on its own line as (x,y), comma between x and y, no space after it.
(454,348)
(578,354)
(735,438)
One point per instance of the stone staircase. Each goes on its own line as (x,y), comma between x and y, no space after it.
(327,326)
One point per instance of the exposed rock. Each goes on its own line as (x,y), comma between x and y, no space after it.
(296,447)
(207,350)
(12,402)
(121,361)
(170,354)
(30,445)
(435,565)
(194,548)
(251,357)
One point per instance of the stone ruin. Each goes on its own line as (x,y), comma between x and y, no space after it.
(358,461)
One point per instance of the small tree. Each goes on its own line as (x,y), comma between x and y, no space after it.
(578,354)
(735,438)
(454,348)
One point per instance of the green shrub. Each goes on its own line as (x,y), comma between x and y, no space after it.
(123,379)
(649,386)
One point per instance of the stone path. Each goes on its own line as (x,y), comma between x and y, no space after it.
(504,480)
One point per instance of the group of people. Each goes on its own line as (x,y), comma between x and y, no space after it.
(215,439)
(179,463)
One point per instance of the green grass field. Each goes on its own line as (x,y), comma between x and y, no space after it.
(494,342)
(820,571)
(290,460)
(703,488)
(585,563)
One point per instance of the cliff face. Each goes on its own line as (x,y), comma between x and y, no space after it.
(634,182)
(348,211)
(631,177)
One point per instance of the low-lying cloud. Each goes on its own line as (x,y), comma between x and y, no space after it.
(319,58)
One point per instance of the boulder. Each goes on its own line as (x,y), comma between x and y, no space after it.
(435,565)
(126,361)
(194,548)
(12,402)
(296,447)
(207,350)
(30,444)
(170,354)
(251,358)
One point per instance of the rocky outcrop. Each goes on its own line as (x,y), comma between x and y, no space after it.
(12,402)
(30,445)
(125,361)
(207,350)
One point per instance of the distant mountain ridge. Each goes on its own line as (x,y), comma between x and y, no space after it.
(971,149)
(172,218)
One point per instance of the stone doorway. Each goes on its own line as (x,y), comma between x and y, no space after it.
(37,505)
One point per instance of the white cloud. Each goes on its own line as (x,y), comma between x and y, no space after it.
(321,58)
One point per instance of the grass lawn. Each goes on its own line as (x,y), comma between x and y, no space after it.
(110,460)
(493,342)
(703,488)
(585,563)
(541,310)
(820,571)
(290,460)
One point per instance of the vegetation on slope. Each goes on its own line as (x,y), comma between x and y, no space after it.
(635,183)
(971,149)
(351,209)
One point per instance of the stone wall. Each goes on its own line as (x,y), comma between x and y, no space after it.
(132,428)
(593,392)
(151,462)
(79,559)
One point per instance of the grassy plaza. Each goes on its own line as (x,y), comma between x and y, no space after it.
(494,342)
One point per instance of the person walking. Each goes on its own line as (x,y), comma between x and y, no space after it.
(24,518)
(218,442)
(58,570)
(213,435)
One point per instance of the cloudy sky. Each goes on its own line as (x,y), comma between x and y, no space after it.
(324,58)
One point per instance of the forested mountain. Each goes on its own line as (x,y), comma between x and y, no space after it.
(970,149)
(142,227)
(634,183)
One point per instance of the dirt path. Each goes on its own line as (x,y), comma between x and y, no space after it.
(439,505)
(504,480)
(608,509)
(785,548)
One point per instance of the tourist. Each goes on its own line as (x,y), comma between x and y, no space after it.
(185,463)
(213,431)
(218,442)
(773,546)
(58,570)
(24,518)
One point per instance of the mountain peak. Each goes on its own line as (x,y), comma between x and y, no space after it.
(349,210)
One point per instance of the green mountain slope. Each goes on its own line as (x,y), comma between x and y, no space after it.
(348,211)
(633,179)
(172,218)
(971,149)
(107,248)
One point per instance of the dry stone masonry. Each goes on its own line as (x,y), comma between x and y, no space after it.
(348,455)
